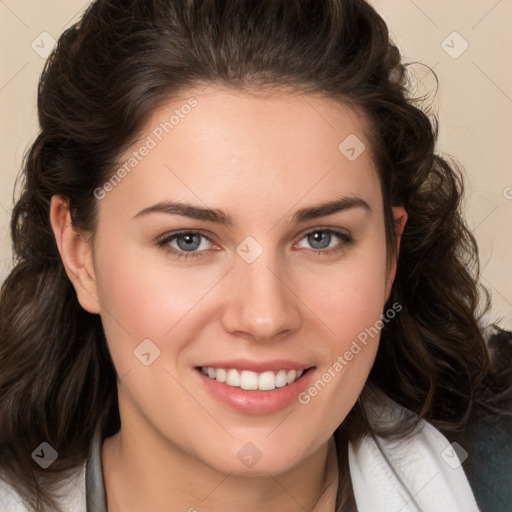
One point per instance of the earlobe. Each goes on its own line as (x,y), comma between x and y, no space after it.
(76,254)
(400,219)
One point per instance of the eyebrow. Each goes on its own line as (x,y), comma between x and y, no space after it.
(331,207)
(220,217)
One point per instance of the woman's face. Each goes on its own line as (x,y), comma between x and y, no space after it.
(247,237)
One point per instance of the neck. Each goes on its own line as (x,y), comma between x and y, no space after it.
(152,474)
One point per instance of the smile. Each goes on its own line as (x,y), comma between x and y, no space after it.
(249,380)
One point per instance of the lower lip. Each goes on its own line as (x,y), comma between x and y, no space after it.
(257,402)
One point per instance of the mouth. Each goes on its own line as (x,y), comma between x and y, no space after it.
(253,381)
(273,388)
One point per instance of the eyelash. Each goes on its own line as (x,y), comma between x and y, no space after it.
(345,238)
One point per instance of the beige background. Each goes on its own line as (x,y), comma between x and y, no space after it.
(474,103)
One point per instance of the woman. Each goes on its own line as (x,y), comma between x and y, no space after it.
(242,277)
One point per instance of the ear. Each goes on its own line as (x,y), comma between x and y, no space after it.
(76,254)
(400,217)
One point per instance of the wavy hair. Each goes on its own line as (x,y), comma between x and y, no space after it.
(108,73)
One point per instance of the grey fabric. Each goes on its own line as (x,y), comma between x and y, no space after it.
(94,489)
(488,436)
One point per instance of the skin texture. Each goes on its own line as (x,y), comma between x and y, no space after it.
(259,159)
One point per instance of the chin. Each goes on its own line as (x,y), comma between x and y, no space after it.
(249,459)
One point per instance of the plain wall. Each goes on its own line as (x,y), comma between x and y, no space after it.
(474,102)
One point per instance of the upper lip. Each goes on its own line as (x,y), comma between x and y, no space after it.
(258,366)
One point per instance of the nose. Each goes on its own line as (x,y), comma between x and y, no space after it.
(260,303)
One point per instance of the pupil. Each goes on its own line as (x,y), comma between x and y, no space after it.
(319,239)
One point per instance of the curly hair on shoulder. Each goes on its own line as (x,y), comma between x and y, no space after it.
(108,73)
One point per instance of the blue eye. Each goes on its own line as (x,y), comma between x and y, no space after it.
(186,244)
(188,241)
(325,241)
(319,239)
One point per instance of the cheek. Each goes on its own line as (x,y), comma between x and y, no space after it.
(349,297)
(348,354)
(142,297)
(141,292)
(349,300)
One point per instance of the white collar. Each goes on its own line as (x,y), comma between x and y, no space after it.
(424,462)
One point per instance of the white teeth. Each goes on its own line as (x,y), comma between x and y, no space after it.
(281,378)
(267,381)
(291,376)
(248,380)
(233,378)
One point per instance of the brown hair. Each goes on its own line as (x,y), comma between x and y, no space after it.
(107,74)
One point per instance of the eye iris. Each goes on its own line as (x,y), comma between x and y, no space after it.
(188,242)
(319,239)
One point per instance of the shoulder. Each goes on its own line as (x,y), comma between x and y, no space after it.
(418,470)
(9,499)
(478,455)
(487,438)
(70,493)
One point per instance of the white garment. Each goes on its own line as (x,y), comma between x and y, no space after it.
(72,492)
(425,462)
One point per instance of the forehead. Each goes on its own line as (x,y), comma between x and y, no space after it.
(259,120)
(225,146)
